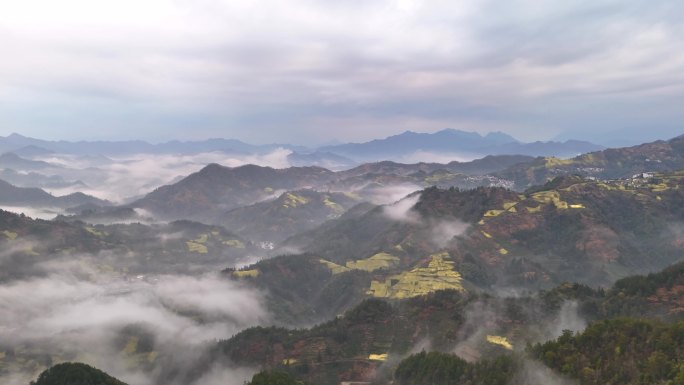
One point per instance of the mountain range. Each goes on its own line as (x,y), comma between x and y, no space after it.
(209,194)
(508,269)
(408,145)
(570,229)
(455,142)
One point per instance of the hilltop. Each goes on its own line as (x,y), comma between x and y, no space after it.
(291,213)
(659,156)
(75,374)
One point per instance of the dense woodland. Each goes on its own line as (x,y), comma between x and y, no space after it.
(619,351)
(75,374)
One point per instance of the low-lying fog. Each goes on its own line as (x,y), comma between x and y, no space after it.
(80,313)
(121,179)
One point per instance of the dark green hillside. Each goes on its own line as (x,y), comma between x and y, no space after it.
(174,247)
(436,368)
(75,374)
(273,378)
(479,327)
(619,351)
(302,289)
(376,333)
(344,349)
(657,295)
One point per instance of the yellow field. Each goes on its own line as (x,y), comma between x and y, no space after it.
(334,268)
(534,209)
(246,273)
(10,234)
(131,346)
(554,198)
(292,201)
(509,205)
(378,357)
(375,262)
(202,238)
(554,162)
(501,341)
(234,243)
(95,232)
(439,275)
(195,247)
(333,206)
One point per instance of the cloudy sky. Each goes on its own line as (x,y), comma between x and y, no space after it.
(314,71)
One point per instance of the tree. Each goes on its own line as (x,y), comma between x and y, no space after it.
(273,378)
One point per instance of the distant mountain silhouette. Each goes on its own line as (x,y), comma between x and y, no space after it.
(452,141)
(27,196)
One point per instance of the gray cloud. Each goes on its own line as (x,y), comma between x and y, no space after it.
(307,70)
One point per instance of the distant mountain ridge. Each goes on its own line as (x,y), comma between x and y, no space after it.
(450,141)
(11,195)
(612,163)
(20,143)
(395,147)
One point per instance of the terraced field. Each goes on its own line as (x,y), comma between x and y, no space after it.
(439,275)
(380,261)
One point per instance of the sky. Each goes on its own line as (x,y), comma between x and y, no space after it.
(310,72)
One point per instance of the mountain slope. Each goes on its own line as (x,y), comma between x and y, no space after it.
(659,156)
(182,246)
(362,344)
(216,189)
(28,196)
(10,160)
(489,239)
(291,213)
(620,351)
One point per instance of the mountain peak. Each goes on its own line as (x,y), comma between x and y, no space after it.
(501,137)
(7,156)
(213,167)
